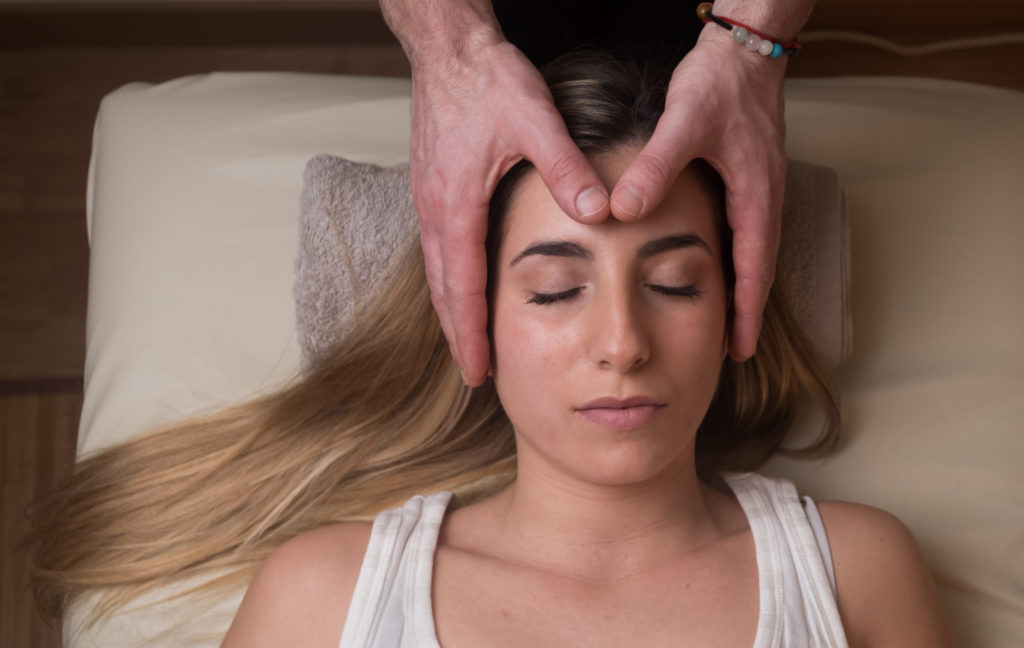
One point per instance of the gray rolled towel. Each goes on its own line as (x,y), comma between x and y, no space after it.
(813,268)
(355,217)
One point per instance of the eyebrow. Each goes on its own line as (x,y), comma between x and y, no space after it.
(573,250)
(671,242)
(556,249)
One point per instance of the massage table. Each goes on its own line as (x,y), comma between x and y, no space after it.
(193,208)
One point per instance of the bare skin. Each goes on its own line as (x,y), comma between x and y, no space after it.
(724,104)
(607,537)
(886,596)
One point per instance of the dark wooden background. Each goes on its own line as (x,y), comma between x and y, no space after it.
(58,60)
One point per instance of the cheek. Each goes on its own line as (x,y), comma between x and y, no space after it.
(708,348)
(531,353)
(695,344)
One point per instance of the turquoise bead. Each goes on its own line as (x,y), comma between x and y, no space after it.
(777,51)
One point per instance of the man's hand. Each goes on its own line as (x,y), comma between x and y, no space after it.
(725,105)
(475,113)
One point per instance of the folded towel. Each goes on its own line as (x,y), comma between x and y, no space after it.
(813,268)
(355,218)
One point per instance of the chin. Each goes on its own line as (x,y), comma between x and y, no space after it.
(597,455)
(628,464)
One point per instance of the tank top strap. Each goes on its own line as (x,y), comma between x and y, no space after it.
(818,527)
(391,601)
(797,599)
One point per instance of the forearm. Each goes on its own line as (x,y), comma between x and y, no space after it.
(434,30)
(782,19)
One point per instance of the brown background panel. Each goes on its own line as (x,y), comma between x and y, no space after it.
(144,25)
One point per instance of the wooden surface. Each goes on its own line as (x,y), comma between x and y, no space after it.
(146,25)
(37,433)
(997,66)
(53,73)
(916,22)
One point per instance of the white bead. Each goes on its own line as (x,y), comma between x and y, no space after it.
(766,48)
(740,35)
(753,42)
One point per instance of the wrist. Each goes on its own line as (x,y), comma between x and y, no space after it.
(782,19)
(726,50)
(441,31)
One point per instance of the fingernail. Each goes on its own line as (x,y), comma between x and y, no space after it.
(590,202)
(627,201)
(464,380)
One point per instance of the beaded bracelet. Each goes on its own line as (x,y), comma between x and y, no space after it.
(753,39)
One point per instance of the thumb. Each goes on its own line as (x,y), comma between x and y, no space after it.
(644,184)
(567,172)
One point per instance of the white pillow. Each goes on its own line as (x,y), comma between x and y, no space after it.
(934,391)
(193,221)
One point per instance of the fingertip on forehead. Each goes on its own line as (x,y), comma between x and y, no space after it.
(688,198)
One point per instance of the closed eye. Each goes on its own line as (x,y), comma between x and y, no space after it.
(690,291)
(550,298)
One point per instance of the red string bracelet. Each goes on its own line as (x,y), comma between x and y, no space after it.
(753,39)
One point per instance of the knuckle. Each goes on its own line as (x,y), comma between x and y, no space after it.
(563,167)
(459,287)
(655,170)
(437,300)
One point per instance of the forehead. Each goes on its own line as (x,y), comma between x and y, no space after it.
(533,213)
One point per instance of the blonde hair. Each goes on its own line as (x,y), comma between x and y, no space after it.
(380,418)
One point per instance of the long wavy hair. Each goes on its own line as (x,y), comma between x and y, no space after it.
(382,416)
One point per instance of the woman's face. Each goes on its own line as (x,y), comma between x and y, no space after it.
(609,338)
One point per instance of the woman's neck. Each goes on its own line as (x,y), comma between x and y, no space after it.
(547,520)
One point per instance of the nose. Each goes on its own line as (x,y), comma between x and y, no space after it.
(619,339)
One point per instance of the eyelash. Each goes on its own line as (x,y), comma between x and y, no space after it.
(690,291)
(550,298)
(542,299)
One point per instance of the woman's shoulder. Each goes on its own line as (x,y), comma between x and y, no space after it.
(332,553)
(884,588)
(302,592)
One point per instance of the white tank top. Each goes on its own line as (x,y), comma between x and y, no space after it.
(391,605)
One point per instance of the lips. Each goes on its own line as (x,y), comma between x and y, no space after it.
(621,413)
